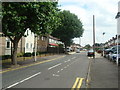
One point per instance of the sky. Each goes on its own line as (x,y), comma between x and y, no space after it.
(104,12)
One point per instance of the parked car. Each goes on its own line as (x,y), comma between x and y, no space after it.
(110,50)
(114,56)
(77,50)
(68,49)
(106,52)
(110,55)
(91,53)
(99,51)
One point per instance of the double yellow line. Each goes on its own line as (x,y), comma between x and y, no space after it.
(77,84)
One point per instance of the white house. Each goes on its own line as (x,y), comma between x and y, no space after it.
(29,41)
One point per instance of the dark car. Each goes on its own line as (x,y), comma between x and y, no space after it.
(91,53)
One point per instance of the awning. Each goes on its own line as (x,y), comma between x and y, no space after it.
(53,44)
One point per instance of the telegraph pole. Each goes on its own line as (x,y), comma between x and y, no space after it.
(94,34)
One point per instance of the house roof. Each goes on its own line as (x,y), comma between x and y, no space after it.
(53,37)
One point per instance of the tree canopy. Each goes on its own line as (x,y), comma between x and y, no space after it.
(87,46)
(70,27)
(39,17)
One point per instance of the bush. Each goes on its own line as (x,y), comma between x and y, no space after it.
(27,54)
(33,54)
(6,57)
(20,54)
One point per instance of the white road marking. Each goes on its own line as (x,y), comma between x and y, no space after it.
(61,69)
(67,60)
(65,67)
(56,75)
(73,57)
(54,66)
(58,71)
(24,80)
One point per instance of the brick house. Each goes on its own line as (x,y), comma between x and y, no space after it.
(42,43)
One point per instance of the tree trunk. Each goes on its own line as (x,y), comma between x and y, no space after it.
(65,49)
(14,54)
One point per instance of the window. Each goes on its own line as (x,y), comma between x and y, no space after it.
(8,44)
(31,45)
(31,33)
(42,38)
(27,45)
(50,40)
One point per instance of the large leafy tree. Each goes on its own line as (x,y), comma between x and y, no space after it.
(71,27)
(39,17)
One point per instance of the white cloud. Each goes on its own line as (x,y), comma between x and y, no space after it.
(104,11)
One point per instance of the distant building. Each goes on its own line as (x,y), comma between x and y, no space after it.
(75,46)
(53,41)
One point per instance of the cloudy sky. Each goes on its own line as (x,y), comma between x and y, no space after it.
(104,11)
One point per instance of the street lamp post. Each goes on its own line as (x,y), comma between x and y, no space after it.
(117,51)
(103,43)
(35,47)
(117,16)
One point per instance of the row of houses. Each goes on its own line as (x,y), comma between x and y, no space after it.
(112,42)
(27,44)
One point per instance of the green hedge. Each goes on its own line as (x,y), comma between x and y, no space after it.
(20,54)
(6,57)
(27,54)
(33,54)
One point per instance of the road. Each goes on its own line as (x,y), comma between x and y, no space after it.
(70,71)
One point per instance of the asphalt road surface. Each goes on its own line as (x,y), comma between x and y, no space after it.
(70,71)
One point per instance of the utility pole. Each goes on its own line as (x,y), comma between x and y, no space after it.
(103,43)
(94,34)
(117,61)
(79,42)
(35,47)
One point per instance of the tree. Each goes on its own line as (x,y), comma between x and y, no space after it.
(39,17)
(87,46)
(70,28)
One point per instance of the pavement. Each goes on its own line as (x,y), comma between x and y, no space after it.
(103,73)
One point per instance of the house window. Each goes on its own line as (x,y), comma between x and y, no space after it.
(50,40)
(27,45)
(31,45)
(42,38)
(8,44)
(31,33)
